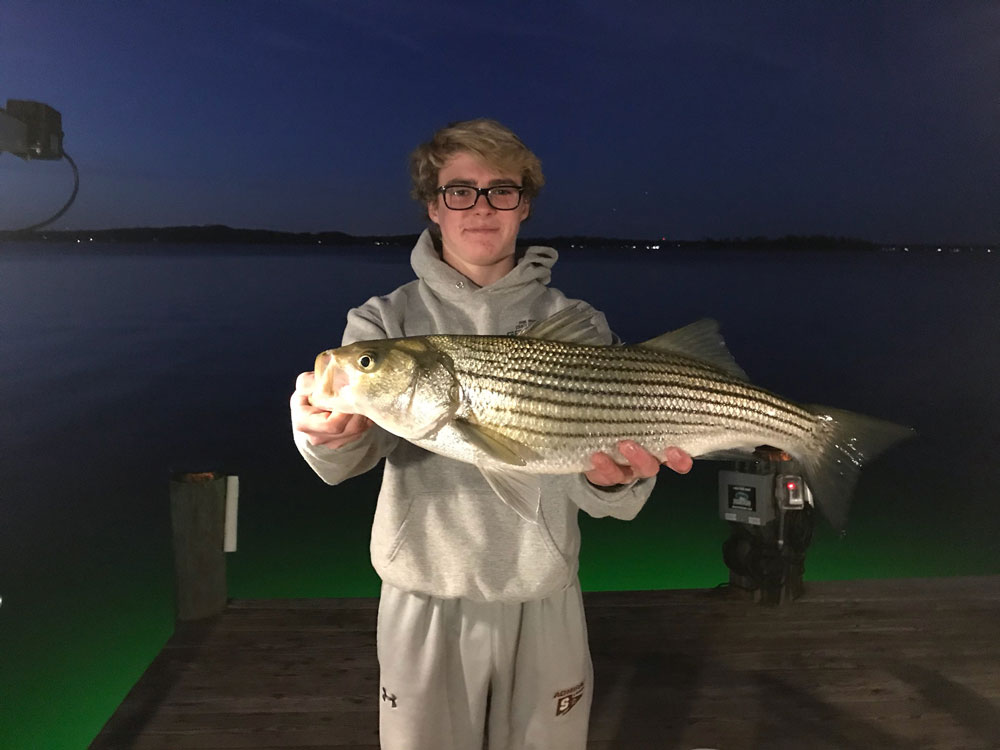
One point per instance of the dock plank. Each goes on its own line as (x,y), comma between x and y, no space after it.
(911,663)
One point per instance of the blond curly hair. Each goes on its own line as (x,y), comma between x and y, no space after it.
(494,144)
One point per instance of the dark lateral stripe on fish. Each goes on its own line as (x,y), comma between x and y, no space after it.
(583,357)
(538,348)
(600,421)
(663,383)
(592,436)
(689,391)
(568,355)
(653,431)
(657,426)
(658,378)
(693,403)
(618,365)
(743,412)
(633,375)
(694,390)
(685,414)
(732,422)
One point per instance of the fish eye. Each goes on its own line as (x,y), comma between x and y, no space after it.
(366,361)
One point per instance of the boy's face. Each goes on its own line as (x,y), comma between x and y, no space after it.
(478,242)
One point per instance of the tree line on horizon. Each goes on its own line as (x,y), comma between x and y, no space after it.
(221,234)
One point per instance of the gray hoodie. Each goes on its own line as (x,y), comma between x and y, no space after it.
(439,529)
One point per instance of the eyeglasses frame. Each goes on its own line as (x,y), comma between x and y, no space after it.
(482,192)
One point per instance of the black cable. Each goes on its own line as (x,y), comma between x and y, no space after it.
(64,209)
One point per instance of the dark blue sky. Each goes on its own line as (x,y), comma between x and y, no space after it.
(686,120)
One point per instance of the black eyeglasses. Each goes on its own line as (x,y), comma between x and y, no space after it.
(464,197)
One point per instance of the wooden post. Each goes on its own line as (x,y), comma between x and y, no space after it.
(197,515)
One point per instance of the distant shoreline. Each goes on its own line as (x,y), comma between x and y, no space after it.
(322,241)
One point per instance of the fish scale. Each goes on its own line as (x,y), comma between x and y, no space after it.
(545,401)
(669,386)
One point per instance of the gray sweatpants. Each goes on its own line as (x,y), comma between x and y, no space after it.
(453,670)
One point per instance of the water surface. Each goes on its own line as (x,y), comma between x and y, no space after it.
(118,369)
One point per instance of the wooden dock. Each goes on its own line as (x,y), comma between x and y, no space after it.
(873,665)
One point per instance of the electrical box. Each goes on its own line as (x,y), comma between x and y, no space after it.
(770,512)
(43,134)
(746,498)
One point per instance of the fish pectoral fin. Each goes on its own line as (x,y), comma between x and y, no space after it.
(497,446)
(572,325)
(699,340)
(522,492)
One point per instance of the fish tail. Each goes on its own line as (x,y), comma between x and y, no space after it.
(846,443)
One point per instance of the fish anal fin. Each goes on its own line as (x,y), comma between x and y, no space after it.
(520,491)
(728,454)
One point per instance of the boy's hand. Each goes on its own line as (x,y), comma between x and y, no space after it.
(322,427)
(641,463)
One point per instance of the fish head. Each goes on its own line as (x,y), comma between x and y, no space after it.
(404,385)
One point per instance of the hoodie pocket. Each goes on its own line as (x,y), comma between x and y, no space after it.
(401,532)
(550,543)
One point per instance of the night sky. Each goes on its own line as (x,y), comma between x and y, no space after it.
(652,119)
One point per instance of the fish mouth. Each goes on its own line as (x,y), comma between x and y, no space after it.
(330,378)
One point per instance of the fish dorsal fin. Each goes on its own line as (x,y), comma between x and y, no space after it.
(572,325)
(699,340)
(497,446)
(520,491)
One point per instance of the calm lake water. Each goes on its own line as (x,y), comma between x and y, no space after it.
(118,369)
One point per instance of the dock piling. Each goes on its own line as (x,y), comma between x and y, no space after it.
(197,516)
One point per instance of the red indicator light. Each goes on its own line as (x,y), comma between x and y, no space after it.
(790,485)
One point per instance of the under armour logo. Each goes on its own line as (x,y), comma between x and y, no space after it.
(390,698)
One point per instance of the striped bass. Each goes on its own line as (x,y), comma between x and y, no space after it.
(544,401)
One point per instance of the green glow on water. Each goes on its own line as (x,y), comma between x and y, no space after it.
(317,547)
(71,655)
(675,542)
